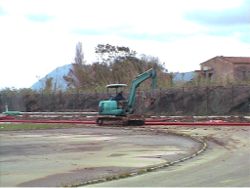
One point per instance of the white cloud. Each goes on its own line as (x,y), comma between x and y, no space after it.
(39,35)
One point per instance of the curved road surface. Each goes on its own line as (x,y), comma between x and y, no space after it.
(64,157)
(226,162)
(68,157)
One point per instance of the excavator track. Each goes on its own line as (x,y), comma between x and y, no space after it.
(119,120)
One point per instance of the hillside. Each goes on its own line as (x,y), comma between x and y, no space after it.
(57,75)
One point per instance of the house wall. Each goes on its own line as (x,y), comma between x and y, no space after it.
(221,70)
(242,71)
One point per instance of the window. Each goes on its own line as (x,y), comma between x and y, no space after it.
(210,74)
(244,75)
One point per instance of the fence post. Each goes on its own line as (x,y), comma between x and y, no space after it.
(207,100)
(42,99)
(183,104)
(232,95)
(6,107)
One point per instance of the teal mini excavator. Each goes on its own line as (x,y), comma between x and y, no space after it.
(118,109)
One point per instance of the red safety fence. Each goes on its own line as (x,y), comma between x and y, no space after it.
(148,122)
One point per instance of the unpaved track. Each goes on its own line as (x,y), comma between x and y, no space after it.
(226,162)
(64,157)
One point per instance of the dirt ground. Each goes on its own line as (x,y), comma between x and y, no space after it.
(226,162)
(66,157)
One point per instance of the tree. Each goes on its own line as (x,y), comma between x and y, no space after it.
(163,77)
(48,86)
(117,64)
(101,74)
(108,53)
(78,77)
(79,57)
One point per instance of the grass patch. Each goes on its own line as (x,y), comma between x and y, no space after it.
(33,126)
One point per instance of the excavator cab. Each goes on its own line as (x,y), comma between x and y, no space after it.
(119,88)
(115,105)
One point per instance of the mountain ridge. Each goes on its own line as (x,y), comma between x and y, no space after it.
(57,74)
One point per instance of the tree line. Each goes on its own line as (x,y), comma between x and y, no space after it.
(115,64)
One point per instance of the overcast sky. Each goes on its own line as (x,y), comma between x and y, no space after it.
(36,36)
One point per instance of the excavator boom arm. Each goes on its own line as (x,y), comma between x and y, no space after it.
(151,73)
